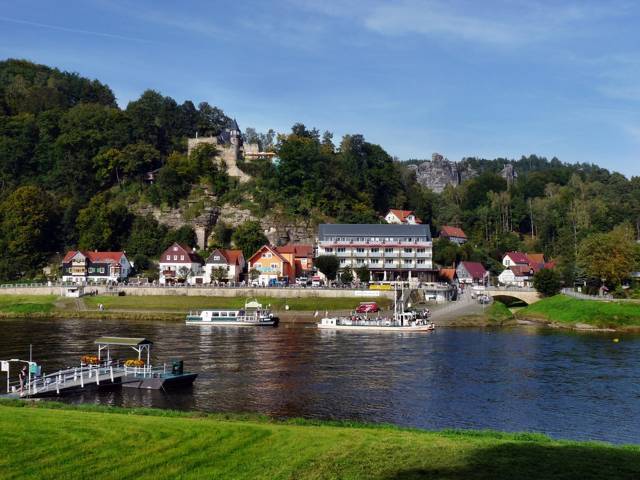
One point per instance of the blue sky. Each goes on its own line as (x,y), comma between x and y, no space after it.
(466,78)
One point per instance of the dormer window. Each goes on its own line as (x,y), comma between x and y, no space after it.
(175,249)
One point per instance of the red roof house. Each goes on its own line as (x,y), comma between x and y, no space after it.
(472,272)
(453,234)
(402,216)
(81,266)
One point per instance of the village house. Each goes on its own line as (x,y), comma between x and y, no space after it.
(95,267)
(472,273)
(402,216)
(300,256)
(181,264)
(517,276)
(521,267)
(232,261)
(271,266)
(453,234)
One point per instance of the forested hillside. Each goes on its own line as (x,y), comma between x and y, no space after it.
(73,163)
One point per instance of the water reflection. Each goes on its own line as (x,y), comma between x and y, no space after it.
(563,384)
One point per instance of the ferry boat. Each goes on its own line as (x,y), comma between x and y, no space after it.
(253,314)
(400,321)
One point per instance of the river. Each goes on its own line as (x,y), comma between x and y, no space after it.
(567,385)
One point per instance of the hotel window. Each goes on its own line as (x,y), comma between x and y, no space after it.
(375,260)
(175,249)
(360,250)
(388,250)
(168,257)
(274,265)
(420,250)
(408,250)
(175,258)
(360,261)
(343,261)
(374,250)
(181,257)
(420,262)
(340,249)
(328,250)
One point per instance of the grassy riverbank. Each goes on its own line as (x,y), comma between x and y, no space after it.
(25,304)
(54,441)
(565,311)
(495,315)
(184,303)
(163,307)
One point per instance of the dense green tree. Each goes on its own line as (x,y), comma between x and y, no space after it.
(147,237)
(346,276)
(28,219)
(547,282)
(249,237)
(363,274)
(609,256)
(183,235)
(446,253)
(328,265)
(103,225)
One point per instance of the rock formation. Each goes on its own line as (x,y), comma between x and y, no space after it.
(439,172)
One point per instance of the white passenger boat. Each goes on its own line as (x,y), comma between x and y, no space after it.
(253,314)
(400,321)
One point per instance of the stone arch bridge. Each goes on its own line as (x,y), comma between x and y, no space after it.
(527,295)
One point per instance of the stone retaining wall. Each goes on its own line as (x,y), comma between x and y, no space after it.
(207,291)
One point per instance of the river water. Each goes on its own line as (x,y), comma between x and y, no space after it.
(567,385)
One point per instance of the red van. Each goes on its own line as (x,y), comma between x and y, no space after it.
(367,307)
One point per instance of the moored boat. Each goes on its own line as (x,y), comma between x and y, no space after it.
(253,314)
(400,321)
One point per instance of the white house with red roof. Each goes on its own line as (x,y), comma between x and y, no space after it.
(231,260)
(83,267)
(472,273)
(402,216)
(521,267)
(453,234)
(181,264)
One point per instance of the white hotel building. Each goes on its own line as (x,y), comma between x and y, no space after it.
(388,251)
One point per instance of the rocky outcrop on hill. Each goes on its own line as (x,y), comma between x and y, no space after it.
(439,172)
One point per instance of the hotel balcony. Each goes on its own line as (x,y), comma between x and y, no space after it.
(408,254)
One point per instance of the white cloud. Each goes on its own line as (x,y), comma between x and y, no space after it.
(500,22)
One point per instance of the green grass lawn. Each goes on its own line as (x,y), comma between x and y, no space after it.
(567,310)
(40,441)
(498,312)
(184,303)
(26,303)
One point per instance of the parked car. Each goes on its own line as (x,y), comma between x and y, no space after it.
(367,307)
(316,282)
(303,281)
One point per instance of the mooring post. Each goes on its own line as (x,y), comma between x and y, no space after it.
(111,371)
(81,380)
